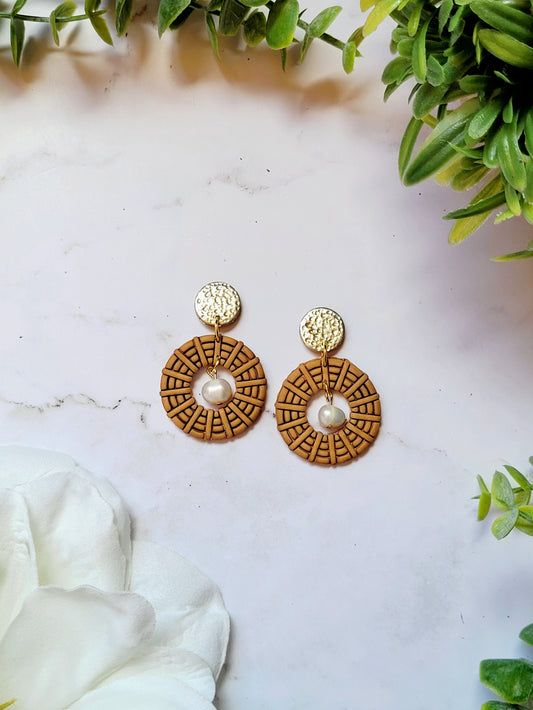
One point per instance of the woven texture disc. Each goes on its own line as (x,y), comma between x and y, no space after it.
(234,417)
(355,436)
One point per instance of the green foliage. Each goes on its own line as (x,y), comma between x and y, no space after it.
(276,21)
(471,62)
(511,679)
(512,501)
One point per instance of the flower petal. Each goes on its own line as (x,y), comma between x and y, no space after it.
(189,608)
(174,662)
(17,556)
(19,464)
(74,532)
(62,643)
(140,693)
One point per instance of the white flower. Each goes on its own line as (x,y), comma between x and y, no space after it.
(89,620)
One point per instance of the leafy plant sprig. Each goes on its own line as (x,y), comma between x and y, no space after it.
(275,21)
(471,62)
(513,501)
(511,679)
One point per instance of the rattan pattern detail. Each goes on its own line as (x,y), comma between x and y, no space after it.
(234,417)
(359,431)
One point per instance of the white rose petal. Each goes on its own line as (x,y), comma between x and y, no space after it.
(189,608)
(173,662)
(143,694)
(75,533)
(62,643)
(19,465)
(97,647)
(18,569)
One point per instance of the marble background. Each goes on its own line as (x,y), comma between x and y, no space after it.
(130,177)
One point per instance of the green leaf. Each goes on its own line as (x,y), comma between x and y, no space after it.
(515,256)
(395,69)
(467,178)
(435,72)
(232,15)
(182,18)
(512,200)
(508,113)
(486,201)
(503,525)
(522,498)
(498,705)
(17,39)
(507,48)
(528,192)
(357,36)
(527,634)
(253,3)
(519,478)
(65,9)
(511,679)
(510,157)
(91,6)
(502,492)
(525,519)
(508,19)
(101,28)
(304,47)
(212,33)
(528,131)
(123,9)
(526,513)
(281,23)
(169,11)
(323,20)
(437,151)
(483,119)
(349,53)
(427,97)
(380,11)
(476,83)
(444,13)
(254,29)
(17,7)
(414,18)
(408,143)
(419,54)
(490,149)
(484,500)
(527,212)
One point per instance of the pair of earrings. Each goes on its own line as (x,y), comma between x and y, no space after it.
(218,304)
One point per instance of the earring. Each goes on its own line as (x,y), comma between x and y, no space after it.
(217,304)
(322,330)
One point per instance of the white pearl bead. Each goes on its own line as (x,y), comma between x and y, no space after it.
(217,391)
(331,417)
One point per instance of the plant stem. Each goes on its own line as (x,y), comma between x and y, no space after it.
(38,18)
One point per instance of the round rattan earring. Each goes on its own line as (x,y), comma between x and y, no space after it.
(217,304)
(322,330)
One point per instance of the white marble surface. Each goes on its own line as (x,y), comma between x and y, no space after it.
(132,176)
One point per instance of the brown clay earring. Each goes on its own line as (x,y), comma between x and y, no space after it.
(217,304)
(322,330)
